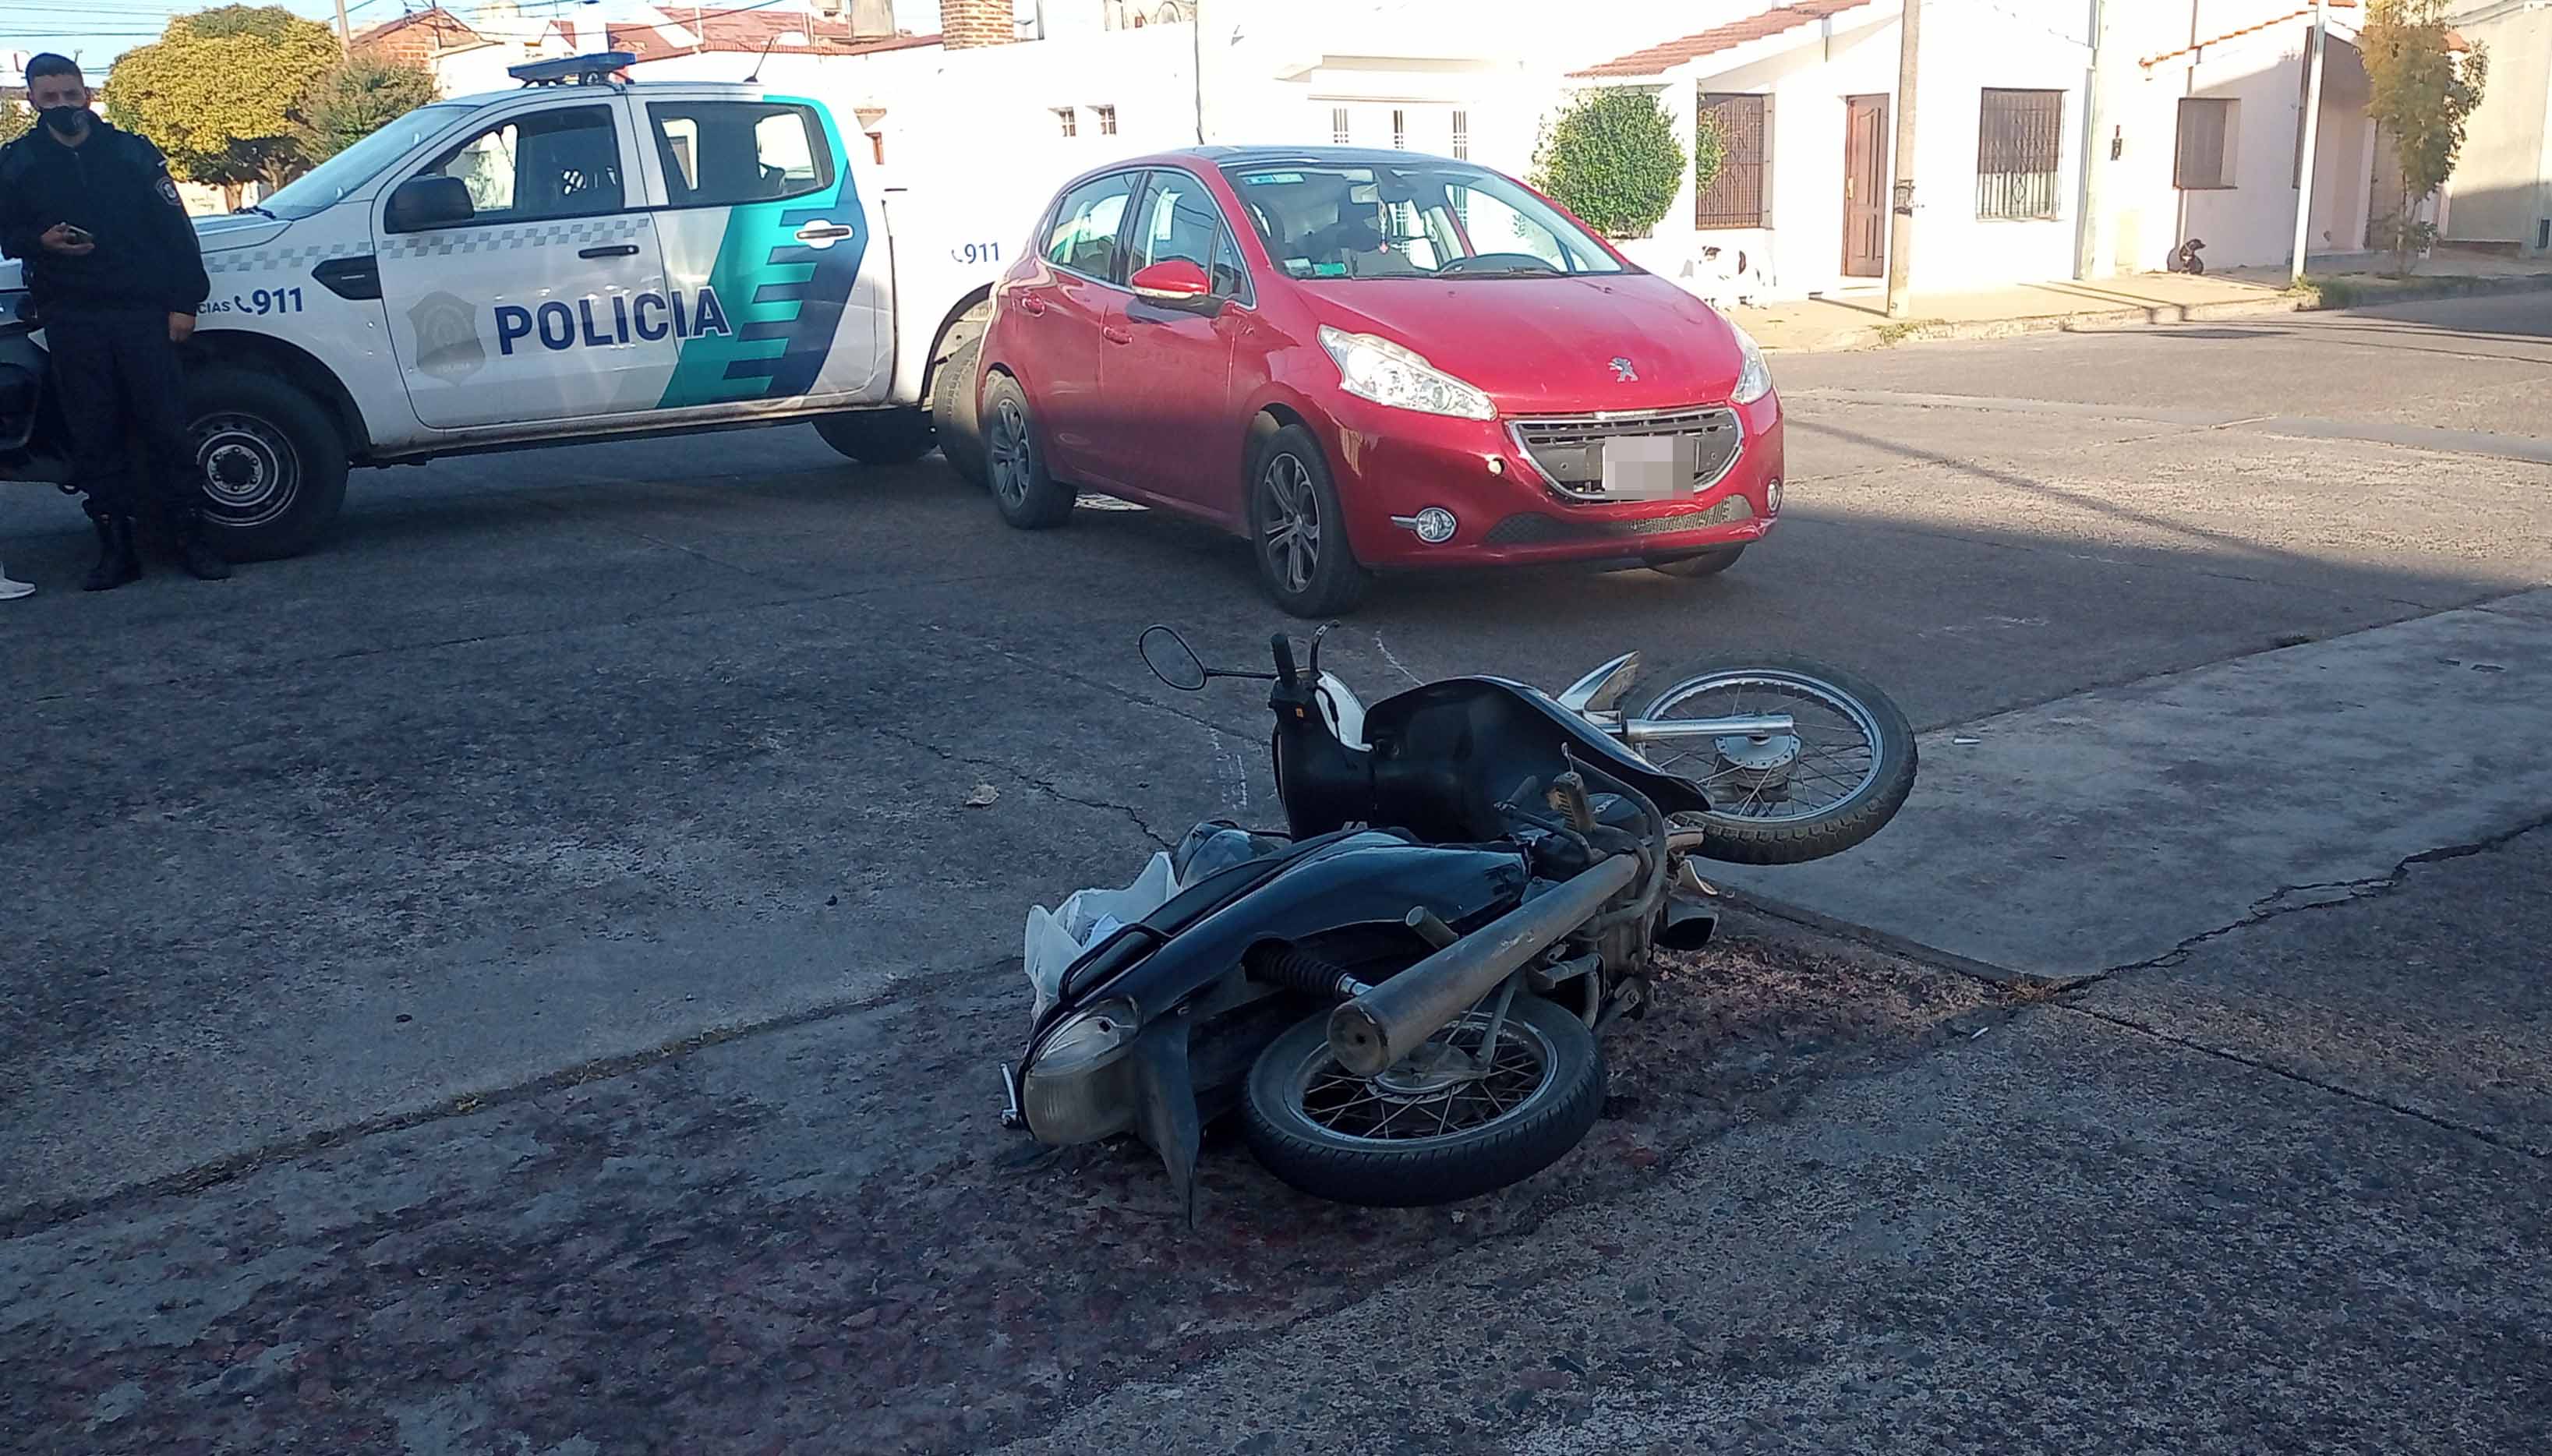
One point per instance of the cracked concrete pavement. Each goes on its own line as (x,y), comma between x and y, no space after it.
(527,977)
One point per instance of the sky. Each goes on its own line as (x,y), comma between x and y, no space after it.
(94,32)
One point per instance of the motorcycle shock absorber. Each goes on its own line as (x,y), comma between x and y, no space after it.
(1295,969)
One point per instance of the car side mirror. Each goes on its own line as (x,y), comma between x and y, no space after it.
(1174,281)
(420,203)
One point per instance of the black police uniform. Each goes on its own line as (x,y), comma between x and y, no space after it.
(105,316)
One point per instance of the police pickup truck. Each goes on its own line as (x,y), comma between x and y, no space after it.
(582,259)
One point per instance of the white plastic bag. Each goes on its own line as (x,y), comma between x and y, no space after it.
(1057,938)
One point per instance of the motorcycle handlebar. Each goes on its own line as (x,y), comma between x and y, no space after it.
(1283,647)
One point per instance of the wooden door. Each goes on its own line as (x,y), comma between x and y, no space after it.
(1864,187)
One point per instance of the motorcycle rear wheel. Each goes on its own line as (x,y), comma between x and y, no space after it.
(1406,1140)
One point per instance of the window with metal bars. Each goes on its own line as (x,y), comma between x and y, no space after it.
(1735,197)
(1070,119)
(1338,126)
(1107,120)
(2019,141)
(1400,129)
(1462,135)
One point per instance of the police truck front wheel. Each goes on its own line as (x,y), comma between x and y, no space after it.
(272,462)
(878,436)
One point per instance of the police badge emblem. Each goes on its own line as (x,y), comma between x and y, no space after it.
(447,337)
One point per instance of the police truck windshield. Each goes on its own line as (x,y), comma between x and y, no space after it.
(326,185)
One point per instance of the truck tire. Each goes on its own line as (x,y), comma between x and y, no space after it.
(878,436)
(953,416)
(273,463)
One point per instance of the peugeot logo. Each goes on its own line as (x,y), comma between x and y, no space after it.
(1623,373)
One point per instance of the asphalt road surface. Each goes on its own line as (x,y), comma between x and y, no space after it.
(528,977)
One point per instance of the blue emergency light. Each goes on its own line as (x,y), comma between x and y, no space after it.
(584,70)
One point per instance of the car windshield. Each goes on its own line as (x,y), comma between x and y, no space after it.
(326,185)
(1425,219)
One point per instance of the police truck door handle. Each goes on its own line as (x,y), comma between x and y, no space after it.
(616,250)
(823,231)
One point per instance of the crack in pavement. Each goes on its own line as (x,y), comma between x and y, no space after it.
(2296,900)
(1041,786)
(26,1218)
(2348,1093)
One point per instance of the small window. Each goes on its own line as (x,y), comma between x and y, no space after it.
(1735,196)
(1399,130)
(1107,120)
(558,164)
(1338,126)
(718,154)
(1070,119)
(1086,223)
(2019,144)
(2209,127)
(1231,275)
(1462,135)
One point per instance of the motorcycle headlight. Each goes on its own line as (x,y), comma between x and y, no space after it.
(1080,1087)
(1754,380)
(1378,370)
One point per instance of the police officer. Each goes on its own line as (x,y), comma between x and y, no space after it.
(115,275)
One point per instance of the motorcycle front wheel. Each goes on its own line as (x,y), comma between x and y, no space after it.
(1432,1129)
(1832,782)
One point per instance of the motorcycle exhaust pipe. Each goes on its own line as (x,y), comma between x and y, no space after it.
(1391,1020)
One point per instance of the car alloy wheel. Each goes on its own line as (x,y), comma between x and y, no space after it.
(1290,537)
(1005,449)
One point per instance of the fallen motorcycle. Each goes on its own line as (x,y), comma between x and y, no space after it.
(1402,992)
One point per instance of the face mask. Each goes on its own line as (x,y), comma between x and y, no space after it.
(66,121)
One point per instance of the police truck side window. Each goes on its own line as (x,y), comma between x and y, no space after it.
(559,164)
(1086,225)
(718,153)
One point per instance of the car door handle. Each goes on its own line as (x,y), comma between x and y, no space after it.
(616,250)
(821,232)
(1031,305)
(1115,335)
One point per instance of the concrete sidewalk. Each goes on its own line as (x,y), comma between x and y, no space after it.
(1858,319)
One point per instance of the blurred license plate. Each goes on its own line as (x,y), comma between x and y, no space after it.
(1650,466)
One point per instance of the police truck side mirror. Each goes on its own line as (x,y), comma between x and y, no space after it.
(420,203)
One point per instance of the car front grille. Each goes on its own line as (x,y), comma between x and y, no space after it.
(1569,449)
(1536,528)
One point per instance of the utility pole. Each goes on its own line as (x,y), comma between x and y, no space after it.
(2088,221)
(345,37)
(2312,129)
(1900,224)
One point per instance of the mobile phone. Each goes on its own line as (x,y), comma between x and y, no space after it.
(80,233)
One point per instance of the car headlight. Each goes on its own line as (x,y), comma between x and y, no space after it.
(1386,373)
(1754,380)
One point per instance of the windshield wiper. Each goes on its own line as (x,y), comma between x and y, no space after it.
(1516,272)
(253,207)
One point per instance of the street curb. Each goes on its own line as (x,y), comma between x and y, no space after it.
(2342,294)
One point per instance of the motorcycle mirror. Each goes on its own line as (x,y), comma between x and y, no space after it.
(1171,659)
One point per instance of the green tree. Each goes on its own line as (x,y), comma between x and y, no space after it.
(15,121)
(356,99)
(1611,157)
(219,93)
(2422,96)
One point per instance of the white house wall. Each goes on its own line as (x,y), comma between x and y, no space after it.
(1967,46)
(2252,222)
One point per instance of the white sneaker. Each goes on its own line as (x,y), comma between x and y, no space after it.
(12,590)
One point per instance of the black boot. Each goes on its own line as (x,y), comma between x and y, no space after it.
(116,561)
(196,553)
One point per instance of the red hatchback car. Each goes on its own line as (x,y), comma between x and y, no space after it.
(1370,360)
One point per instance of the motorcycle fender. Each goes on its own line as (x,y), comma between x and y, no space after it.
(1165,1105)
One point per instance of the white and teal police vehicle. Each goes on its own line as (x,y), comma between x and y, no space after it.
(581,259)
